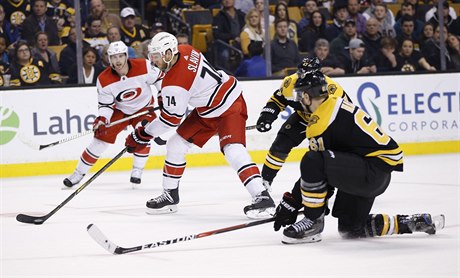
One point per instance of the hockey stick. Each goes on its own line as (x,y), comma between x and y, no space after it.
(112,248)
(81,134)
(38,220)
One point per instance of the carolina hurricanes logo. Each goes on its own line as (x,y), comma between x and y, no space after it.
(129,94)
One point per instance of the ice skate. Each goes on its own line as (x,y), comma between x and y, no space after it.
(74,179)
(262,206)
(423,222)
(136,175)
(304,231)
(165,203)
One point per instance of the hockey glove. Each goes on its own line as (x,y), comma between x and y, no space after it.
(286,212)
(99,125)
(266,118)
(138,139)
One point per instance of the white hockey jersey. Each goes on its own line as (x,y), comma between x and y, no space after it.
(128,93)
(193,81)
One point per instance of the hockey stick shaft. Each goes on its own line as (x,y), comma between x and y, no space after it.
(102,240)
(84,133)
(41,219)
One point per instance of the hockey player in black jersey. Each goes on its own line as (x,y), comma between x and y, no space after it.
(350,152)
(292,132)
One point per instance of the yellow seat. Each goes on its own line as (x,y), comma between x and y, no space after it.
(57,49)
(202,36)
(295,14)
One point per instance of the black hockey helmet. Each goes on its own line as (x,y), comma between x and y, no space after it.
(313,83)
(308,65)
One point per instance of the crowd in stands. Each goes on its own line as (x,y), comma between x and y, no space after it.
(38,37)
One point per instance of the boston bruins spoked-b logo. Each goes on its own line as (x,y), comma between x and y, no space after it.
(30,74)
(129,94)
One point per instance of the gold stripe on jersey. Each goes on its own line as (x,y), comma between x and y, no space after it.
(392,157)
(277,102)
(323,116)
(386,225)
(313,200)
(274,162)
(395,219)
(287,87)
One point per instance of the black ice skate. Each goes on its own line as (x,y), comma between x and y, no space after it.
(262,206)
(304,231)
(423,222)
(74,179)
(165,203)
(136,175)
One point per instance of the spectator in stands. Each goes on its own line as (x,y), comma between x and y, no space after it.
(182,38)
(284,52)
(244,5)
(409,59)
(156,28)
(340,15)
(330,65)
(432,50)
(90,70)
(260,7)
(448,19)
(434,10)
(68,55)
(453,47)
(281,12)
(104,61)
(94,36)
(255,66)
(355,61)
(227,26)
(4,59)
(372,38)
(60,11)
(9,31)
(339,44)
(26,70)
(315,30)
(408,9)
(354,12)
(386,61)
(427,34)
(455,27)
(98,10)
(385,25)
(114,35)
(310,7)
(419,13)
(48,56)
(252,31)
(38,21)
(132,34)
(407,31)
(389,16)
(16,11)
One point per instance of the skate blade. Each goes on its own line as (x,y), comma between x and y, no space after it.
(439,221)
(261,213)
(309,239)
(163,210)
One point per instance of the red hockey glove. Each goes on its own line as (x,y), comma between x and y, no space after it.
(138,139)
(99,125)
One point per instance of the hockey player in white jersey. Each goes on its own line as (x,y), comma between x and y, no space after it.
(219,109)
(123,90)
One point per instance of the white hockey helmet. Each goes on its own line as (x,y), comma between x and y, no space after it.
(117,47)
(161,43)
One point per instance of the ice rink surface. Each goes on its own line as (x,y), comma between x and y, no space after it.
(213,198)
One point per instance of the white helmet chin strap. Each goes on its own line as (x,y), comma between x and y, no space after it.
(168,63)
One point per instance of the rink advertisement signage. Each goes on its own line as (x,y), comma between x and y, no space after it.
(411,108)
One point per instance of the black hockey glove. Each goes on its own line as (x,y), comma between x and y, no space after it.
(266,118)
(138,139)
(286,212)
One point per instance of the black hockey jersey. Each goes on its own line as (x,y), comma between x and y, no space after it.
(339,125)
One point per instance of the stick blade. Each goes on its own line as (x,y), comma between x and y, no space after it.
(26,141)
(37,220)
(101,239)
